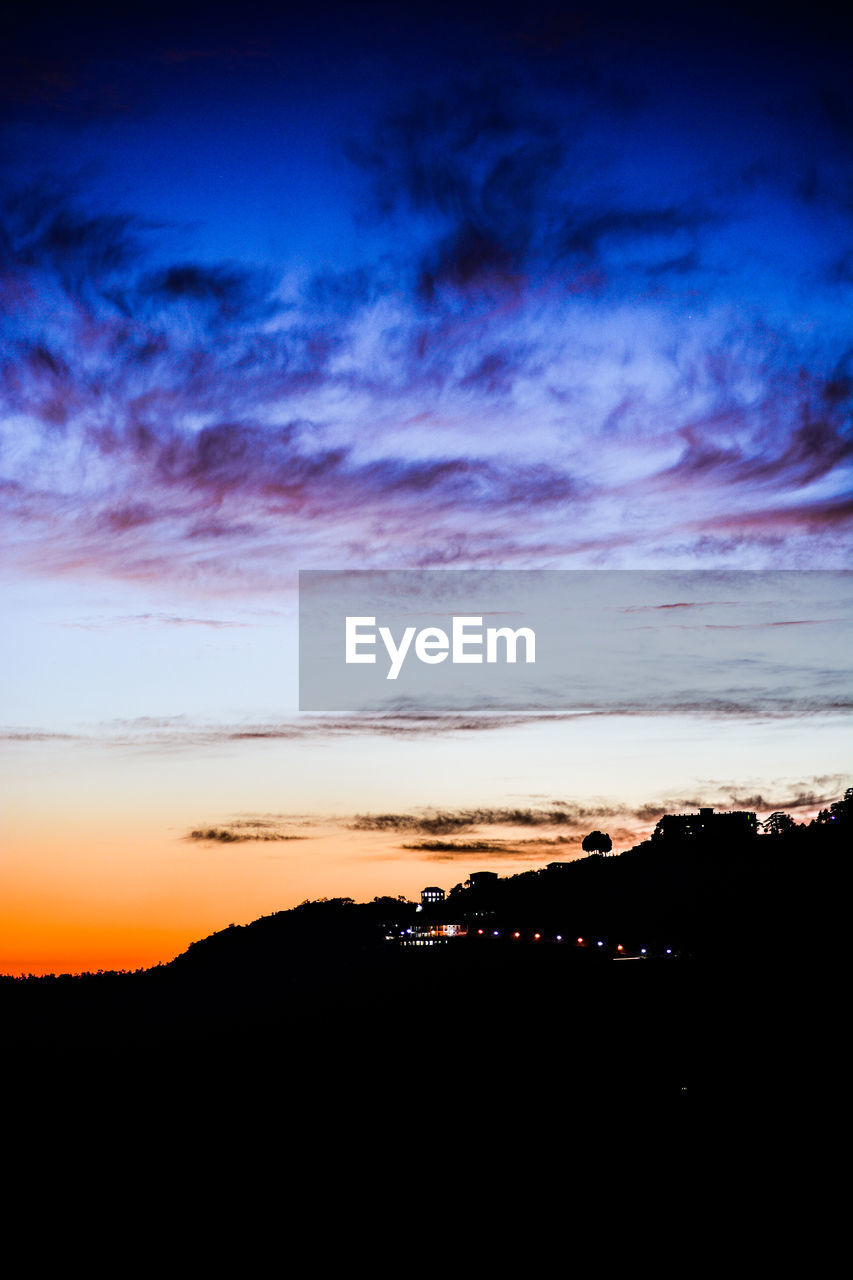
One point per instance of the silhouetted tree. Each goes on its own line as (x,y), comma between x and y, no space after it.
(778,823)
(597,842)
(840,812)
(843,808)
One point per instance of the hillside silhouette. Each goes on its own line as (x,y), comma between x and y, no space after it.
(325,998)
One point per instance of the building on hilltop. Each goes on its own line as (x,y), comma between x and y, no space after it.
(430,895)
(482,879)
(705,824)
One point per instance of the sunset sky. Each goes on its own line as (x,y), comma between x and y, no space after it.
(343,287)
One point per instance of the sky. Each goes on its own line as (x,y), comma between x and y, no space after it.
(465,287)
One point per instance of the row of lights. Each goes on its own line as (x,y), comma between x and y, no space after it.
(579,941)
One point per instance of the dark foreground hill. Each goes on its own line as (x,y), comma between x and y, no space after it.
(316,1012)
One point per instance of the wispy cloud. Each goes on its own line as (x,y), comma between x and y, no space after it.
(537,369)
(157,620)
(239,835)
(178,733)
(524,835)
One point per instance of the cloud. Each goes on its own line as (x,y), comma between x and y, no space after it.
(49,231)
(496,382)
(186,733)
(158,620)
(447,850)
(462,846)
(437,823)
(500,181)
(453,835)
(626,823)
(796,800)
(677,604)
(814,515)
(588,234)
(36,735)
(221,294)
(228,835)
(808,794)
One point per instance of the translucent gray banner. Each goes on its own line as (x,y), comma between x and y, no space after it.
(631,642)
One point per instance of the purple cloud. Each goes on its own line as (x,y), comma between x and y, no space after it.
(535,364)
